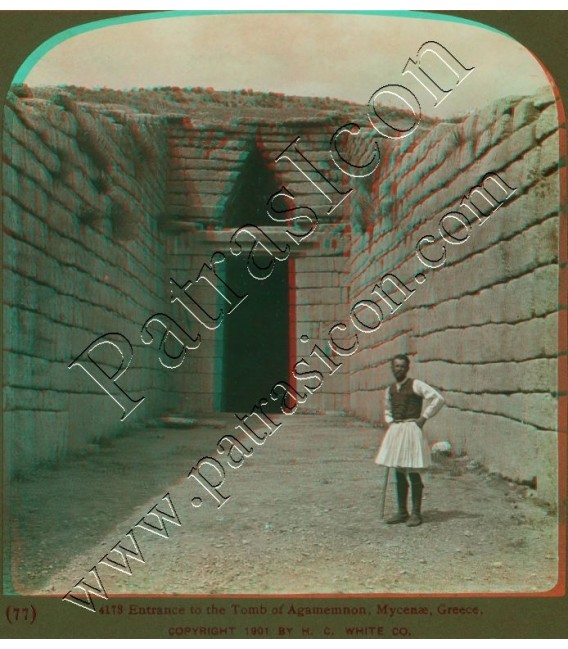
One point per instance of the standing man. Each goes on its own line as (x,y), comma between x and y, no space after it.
(404,446)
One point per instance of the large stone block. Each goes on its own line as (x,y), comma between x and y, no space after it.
(524,112)
(13,221)
(548,121)
(546,465)
(550,153)
(537,409)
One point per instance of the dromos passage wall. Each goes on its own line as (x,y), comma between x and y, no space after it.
(106,199)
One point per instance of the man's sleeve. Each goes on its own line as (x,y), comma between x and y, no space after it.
(388,408)
(434,400)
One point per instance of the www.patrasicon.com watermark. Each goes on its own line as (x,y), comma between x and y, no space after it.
(387,295)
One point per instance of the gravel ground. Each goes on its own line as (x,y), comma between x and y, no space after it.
(302,517)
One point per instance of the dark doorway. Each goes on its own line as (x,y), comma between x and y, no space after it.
(255,341)
(255,335)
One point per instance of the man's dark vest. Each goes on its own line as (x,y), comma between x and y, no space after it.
(405,404)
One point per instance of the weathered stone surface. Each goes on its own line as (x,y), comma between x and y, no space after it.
(89,188)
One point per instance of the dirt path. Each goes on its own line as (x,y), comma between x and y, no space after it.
(302,517)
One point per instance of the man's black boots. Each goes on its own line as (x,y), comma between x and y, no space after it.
(416,487)
(402,497)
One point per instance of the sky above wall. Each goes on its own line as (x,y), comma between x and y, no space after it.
(342,56)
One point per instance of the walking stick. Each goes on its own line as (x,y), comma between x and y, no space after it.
(384,497)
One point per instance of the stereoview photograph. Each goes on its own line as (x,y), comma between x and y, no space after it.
(281,312)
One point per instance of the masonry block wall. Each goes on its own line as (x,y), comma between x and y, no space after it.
(83,256)
(105,202)
(483,327)
(196,384)
(321,301)
(208,161)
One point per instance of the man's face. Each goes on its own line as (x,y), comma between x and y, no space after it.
(399,369)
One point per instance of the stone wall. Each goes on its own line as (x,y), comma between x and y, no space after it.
(104,204)
(483,327)
(83,256)
(207,161)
